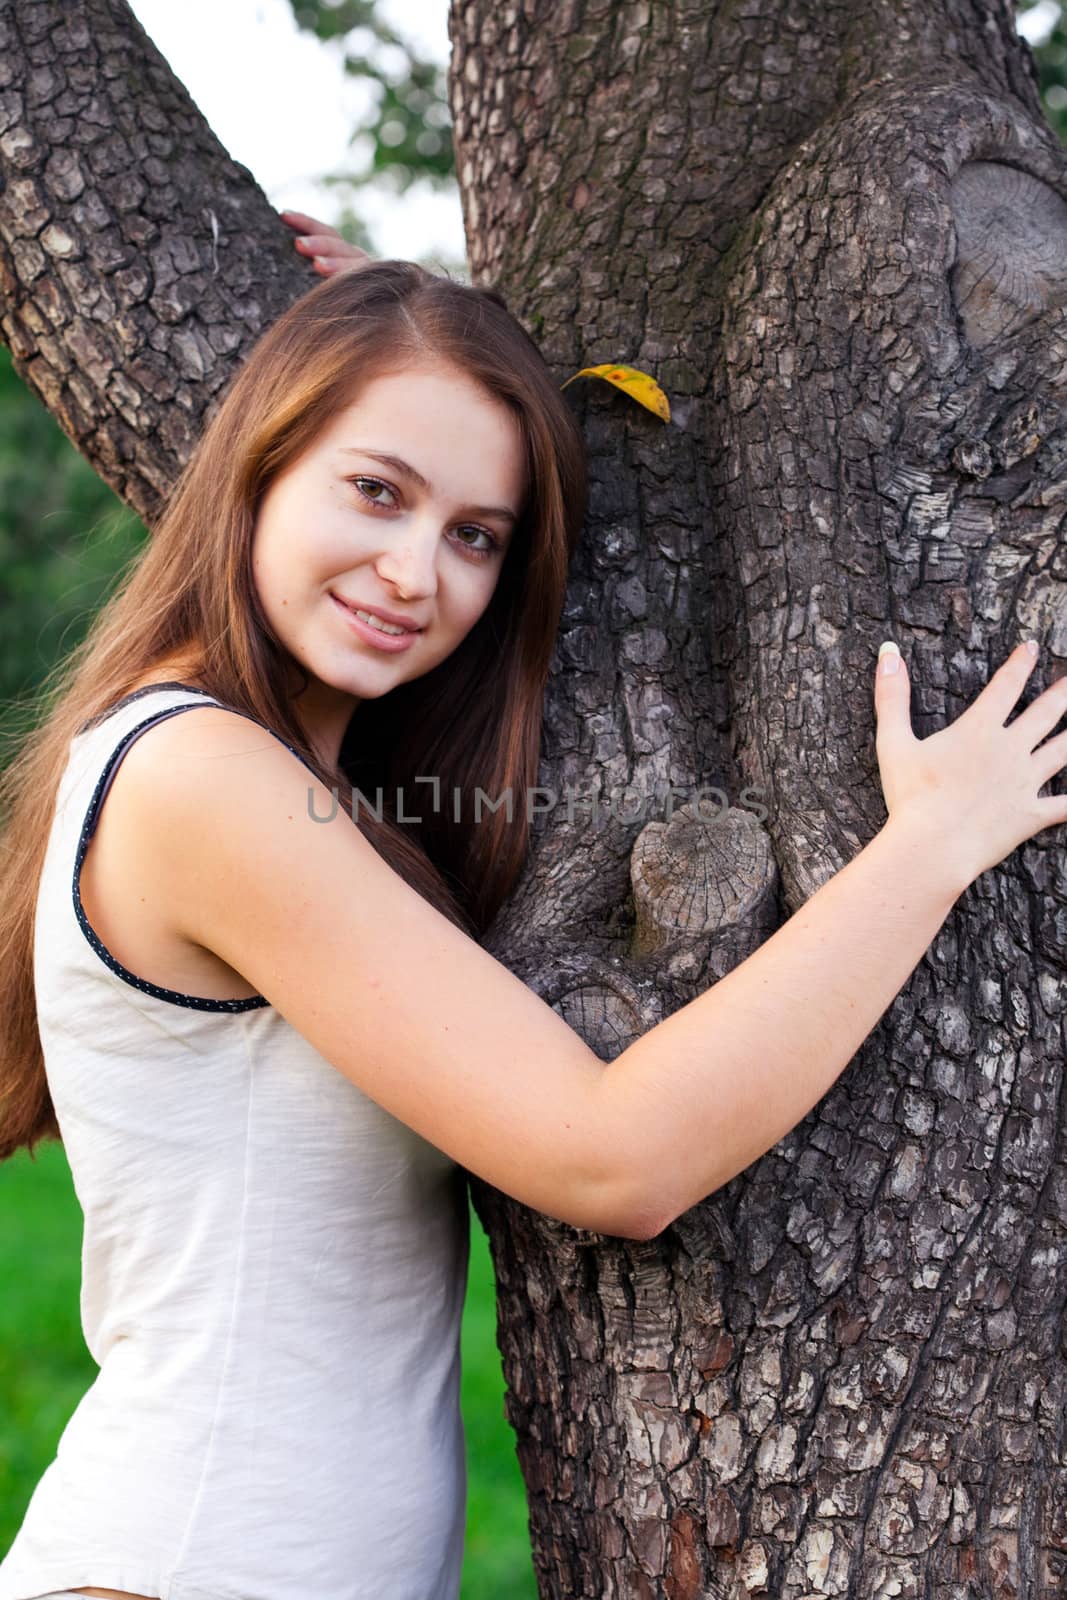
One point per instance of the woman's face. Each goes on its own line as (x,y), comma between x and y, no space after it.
(343,529)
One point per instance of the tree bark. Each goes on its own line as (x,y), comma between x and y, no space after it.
(138,263)
(836,235)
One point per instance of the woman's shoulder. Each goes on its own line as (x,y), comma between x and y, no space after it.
(188,764)
(207,742)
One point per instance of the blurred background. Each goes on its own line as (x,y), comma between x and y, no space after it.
(339,110)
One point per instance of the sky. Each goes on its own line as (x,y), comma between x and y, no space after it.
(282,104)
(1036,25)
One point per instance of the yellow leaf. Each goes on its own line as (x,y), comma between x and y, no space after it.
(638,385)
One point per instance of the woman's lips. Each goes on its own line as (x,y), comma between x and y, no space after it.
(390,642)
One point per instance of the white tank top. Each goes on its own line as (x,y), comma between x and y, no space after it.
(273,1278)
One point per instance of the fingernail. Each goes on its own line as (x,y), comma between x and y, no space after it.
(888,658)
(1032,646)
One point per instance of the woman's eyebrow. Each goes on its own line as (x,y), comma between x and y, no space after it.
(408,471)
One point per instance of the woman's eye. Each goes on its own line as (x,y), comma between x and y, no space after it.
(375,483)
(482,533)
(483,551)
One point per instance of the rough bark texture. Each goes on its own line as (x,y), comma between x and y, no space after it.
(138,263)
(836,234)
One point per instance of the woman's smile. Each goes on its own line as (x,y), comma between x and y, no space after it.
(379,637)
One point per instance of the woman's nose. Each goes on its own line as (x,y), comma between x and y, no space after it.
(411,565)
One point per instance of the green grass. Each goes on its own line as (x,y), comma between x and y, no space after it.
(45,1369)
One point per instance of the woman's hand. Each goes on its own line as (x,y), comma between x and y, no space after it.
(329,252)
(971,789)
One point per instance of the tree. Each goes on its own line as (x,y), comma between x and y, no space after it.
(834,235)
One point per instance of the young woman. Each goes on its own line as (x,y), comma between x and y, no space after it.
(267,1032)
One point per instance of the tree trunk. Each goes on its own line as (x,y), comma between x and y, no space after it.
(138,263)
(836,236)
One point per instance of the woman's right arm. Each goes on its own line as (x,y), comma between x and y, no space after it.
(720,1081)
(446,1039)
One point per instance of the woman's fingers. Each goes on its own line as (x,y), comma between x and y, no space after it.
(1042,714)
(323,244)
(1002,691)
(328,251)
(1051,758)
(330,266)
(302,223)
(892,700)
(334,261)
(1052,808)
(972,786)
(895,740)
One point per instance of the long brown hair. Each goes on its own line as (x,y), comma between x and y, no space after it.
(474,720)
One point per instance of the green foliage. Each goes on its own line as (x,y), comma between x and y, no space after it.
(497,1563)
(1051,58)
(45,1369)
(44,1365)
(64,539)
(410,132)
(354,229)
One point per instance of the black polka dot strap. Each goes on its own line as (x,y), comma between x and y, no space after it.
(196,1002)
(136,694)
